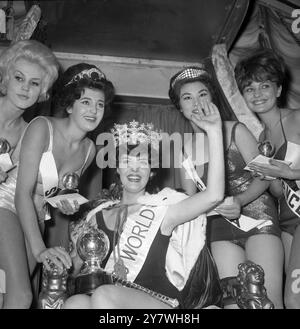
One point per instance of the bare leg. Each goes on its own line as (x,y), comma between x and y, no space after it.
(13,260)
(287,240)
(34,270)
(78,302)
(266,250)
(117,297)
(292,285)
(227,256)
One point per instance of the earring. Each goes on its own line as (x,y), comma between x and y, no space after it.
(69,111)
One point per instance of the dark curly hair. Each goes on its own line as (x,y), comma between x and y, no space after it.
(262,65)
(174,89)
(69,89)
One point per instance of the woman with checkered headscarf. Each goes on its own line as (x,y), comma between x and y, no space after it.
(245,225)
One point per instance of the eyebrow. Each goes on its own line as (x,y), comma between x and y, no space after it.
(200,91)
(20,72)
(90,98)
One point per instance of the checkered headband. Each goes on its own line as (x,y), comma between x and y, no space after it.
(189,73)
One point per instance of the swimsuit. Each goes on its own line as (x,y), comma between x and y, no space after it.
(237,181)
(7,188)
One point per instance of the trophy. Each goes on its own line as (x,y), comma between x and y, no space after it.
(247,289)
(54,288)
(5,160)
(252,293)
(70,182)
(266,148)
(92,247)
(4,146)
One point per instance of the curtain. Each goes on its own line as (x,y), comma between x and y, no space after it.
(273,28)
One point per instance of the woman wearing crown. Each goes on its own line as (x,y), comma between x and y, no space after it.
(52,147)
(155,239)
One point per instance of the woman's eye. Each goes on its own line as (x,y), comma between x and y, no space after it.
(187,98)
(248,90)
(18,78)
(35,83)
(265,85)
(203,95)
(85,102)
(100,106)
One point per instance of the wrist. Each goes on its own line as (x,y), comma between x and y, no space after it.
(37,251)
(240,200)
(215,133)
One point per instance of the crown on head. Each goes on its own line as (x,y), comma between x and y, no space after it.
(189,73)
(93,73)
(136,133)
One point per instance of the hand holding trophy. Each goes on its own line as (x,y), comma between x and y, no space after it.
(68,199)
(54,288)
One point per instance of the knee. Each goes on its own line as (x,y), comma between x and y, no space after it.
(292,301)
(78,302)
(20,300)
(104,297)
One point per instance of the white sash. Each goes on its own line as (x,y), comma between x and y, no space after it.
(186,241)
(136,239)
(190,169)
(49,175)
(293,155)
(292,198)
(244,223)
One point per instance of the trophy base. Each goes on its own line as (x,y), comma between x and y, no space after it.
(87,283)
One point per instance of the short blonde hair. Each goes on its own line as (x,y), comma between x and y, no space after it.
(32,51)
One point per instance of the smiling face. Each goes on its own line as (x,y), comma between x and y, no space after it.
(88,110)
(134,172)
(24,83)
(191,96)
(261,97)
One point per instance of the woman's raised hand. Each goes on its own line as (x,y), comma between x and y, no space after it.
(57,255)
(208,117)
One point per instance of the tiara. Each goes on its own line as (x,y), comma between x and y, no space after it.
(93,73)
(135,133)
(189,73)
